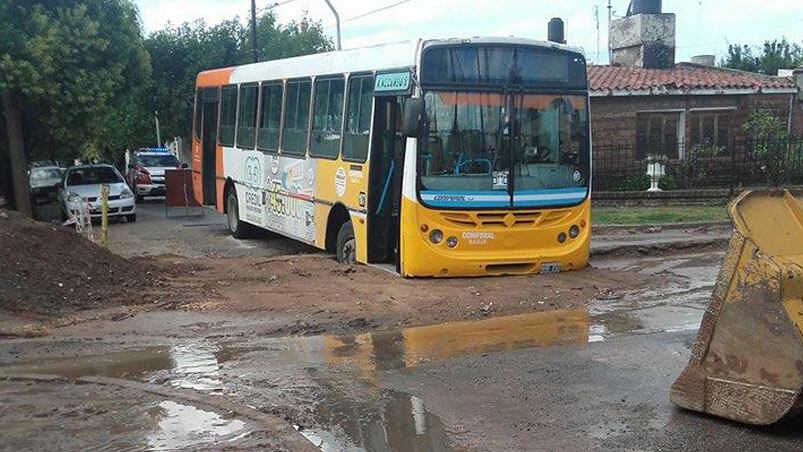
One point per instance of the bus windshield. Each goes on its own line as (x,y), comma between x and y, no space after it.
(496,150)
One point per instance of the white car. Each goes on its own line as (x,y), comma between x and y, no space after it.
(146,171)
(82,184)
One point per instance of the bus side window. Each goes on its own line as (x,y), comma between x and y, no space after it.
(247,120)
(296,120)
(327,119)
(228,115)
(270,118)
(358,118)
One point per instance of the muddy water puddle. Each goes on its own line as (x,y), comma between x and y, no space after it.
(50,416)
(350,408)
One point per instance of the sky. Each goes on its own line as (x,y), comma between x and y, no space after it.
(703,26)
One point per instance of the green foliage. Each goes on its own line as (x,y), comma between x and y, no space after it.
(71,65)
(767,59)
(770,144)
(695,167)
(179,53)
(89,82)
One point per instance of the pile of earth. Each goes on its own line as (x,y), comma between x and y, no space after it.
(51,270)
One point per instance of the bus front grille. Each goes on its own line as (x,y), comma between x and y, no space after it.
(500,220)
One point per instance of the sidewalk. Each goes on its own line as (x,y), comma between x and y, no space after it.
(617,240)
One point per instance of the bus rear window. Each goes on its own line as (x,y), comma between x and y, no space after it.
(541,67)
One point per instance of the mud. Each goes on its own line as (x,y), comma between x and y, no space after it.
(48,270)
(57,416)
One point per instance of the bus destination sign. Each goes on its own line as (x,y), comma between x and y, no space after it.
(392,83)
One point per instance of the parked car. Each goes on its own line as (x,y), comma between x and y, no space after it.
(82,184)
(45,183)
(43,163)
(146,171)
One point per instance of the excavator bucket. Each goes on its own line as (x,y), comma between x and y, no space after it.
(747,362)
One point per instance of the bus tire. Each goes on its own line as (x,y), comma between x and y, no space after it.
(346,251)
(237,228)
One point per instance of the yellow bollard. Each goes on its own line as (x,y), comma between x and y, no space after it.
(104,215)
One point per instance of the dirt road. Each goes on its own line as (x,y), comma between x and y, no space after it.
(247,341)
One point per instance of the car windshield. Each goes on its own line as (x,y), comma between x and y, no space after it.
(93,175)
(42,174)
(155,161)
(476,141)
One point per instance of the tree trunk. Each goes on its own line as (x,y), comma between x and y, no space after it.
(16,151)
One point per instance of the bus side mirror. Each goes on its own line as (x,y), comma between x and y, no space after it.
(413,111)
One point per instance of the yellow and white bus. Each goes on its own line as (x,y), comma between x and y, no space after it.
(438,157)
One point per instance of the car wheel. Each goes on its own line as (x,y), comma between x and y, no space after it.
(346,245)
(237,228)
(131,218)
(140,199)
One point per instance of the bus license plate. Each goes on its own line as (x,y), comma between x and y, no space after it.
(550,268)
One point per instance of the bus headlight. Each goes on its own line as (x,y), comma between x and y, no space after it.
(436,236)
(451,242)
(574,231)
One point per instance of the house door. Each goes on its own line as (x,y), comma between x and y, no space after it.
(385,180)
(209,145)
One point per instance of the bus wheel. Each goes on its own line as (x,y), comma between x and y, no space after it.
(346,245)
(237,228)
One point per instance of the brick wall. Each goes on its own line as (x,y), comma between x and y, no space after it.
(613,119)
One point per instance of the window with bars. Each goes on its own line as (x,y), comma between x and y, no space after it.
(657,135)
(709,128)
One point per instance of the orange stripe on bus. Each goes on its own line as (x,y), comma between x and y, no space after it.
(217,77)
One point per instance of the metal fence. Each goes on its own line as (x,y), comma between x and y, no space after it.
(735,165)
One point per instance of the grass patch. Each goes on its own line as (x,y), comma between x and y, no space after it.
(657,215)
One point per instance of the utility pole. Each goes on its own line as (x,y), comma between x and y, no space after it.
(596,19)
(337,22)
(158,132)
(610,18)
(254,31)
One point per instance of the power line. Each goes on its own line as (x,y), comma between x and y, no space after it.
(276,5)
(378,10)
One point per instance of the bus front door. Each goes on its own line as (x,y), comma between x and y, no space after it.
(385,179)
(209,145)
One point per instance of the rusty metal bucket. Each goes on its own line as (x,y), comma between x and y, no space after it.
(747,362)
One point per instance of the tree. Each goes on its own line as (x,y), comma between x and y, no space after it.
(773,55)
(179,53)
(770,143)
(65,68)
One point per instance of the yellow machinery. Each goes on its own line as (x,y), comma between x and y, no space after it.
(747,362)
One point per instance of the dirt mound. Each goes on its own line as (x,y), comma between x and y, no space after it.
(47,269)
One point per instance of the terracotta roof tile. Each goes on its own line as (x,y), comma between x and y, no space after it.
(684,76)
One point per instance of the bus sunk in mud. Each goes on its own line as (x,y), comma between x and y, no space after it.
(437,157)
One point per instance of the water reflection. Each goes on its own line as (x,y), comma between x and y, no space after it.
(409,347)
(183,426)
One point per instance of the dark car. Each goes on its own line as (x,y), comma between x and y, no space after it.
(45,183)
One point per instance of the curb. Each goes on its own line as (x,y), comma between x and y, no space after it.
(618,228)
(278,428)
(640,249)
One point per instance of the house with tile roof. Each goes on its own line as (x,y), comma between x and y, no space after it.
(644,105)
